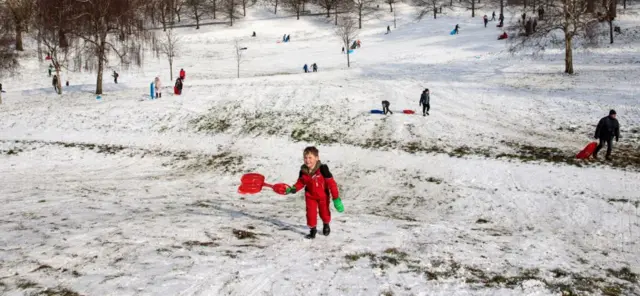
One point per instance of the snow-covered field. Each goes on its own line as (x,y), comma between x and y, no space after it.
(129,196)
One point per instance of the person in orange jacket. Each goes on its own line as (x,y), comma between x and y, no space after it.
(319,184)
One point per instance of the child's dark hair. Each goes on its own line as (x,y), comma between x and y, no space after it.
(311,150)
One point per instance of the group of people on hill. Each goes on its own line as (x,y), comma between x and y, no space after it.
(425,100)
(177,88)
(314,68)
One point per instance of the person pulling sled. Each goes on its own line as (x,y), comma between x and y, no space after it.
(424,102)
(608,128)
(385,107)
(319,186)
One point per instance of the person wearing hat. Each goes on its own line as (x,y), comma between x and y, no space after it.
(607,128)
(424,102)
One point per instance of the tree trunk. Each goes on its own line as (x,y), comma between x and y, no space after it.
(435,12)
(164,20)
(568,56)
(39,40)
(197,20)
(298,13)
(591,6)
(19,37)
(328,11)
(336,7)
(59,79)
(533,7)
(348,62)
(360,17)
(624,3)
(238,69)
(244,7)
(214,10)
(170,69)
(275,11)
(502,7)
(473,8)
(101,54)
(611,30)
(391,6)
(525,4)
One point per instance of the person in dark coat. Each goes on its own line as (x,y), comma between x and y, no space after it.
(457,29)
(424,102)
(314,67)
(607,129)
(486,20)
(177,89)
(115,77)
(388,29)
(305,68)
(55,82)
(540,12)
(385,107)
(493,16)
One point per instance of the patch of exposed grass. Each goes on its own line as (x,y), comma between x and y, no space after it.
(482,221)
(26,284)
(635,203)
(244,234)
(42,267)
(624,274)
(387,293)
(357,256)
(190,244)
(58,291)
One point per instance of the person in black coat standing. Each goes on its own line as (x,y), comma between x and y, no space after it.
(424,102)
(607,128)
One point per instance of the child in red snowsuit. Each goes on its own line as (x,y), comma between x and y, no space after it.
(318,183)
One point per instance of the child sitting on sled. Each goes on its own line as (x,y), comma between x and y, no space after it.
(319,183)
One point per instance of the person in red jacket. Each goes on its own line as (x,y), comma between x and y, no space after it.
(182,74)
(318,183)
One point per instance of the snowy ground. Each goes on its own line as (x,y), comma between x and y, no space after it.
(128,196)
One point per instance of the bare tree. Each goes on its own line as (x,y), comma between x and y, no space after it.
(105,25)
(391,3)
(609,9)
(295,6)
(328,5)
(427,6)
(230,9)
(53,30)
(472,5)
(21,10)
(197,9)
(363,8)
(177,8)
(239,51)
(347,31)
(213,7)
(170,47)
(8,57)
(567,16)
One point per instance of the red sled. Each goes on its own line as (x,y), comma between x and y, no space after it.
(252,183)
(587,151)
(408,111)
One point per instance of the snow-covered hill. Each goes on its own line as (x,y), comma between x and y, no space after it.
(131,196)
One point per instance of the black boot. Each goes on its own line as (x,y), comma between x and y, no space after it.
(312,233)
(326,230)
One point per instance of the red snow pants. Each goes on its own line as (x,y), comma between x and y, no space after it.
(313,205)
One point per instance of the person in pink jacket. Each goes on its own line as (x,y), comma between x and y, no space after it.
(158,86)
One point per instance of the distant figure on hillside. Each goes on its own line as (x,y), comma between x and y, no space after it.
(424,102)
(358,43)
(456,29)
(115,76)
(305,68)
(343,49)
(1,91)
(486,20)
(528,27)
(388,29)
(535,24)
(524,17)
(50,69)
(493,16)
(54,81)
(288,38)
(608,128)
(540,12)
(385,107)
(254,34)
(284,38)
(503,36)
(177,89)
(158,86)
(501,18)
(314,67)
(183,74)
